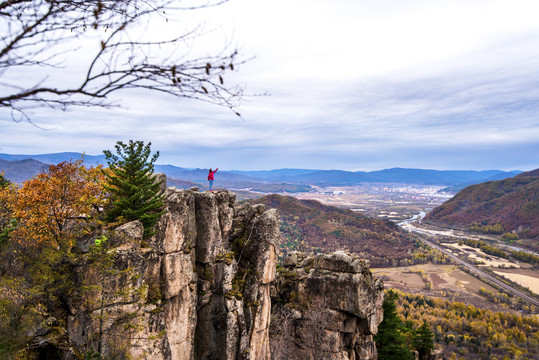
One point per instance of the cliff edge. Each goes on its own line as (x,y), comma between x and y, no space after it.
(205,286)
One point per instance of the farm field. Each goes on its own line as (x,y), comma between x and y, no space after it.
(443,281)
(483,259)
(524,277)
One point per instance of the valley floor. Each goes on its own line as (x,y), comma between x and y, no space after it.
(444,281)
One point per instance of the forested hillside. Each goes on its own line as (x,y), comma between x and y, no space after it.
(308,225)
(20,170)
(468,332)
(497,207)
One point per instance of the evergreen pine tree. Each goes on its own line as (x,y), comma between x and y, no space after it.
(134,191)
(7,223)
(390,342)
(423,341)
(3,181)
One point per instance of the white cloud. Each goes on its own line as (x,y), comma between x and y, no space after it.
(351,84)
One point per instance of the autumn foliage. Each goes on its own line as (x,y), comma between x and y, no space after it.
(469,332)
(43,225)
(39,223)
(54,207)
(307,225)
(494,207)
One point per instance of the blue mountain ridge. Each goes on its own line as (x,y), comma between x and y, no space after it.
(299,176)
(56,158)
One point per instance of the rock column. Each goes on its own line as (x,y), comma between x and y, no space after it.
(326,307)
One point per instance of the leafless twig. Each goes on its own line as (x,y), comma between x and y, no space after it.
(47,34)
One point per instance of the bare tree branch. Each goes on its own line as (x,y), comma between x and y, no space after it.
(47,34)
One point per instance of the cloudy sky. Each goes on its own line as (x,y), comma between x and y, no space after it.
(348,84)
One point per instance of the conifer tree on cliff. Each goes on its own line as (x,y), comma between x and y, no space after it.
(390,342)
(134,192)
(423,341)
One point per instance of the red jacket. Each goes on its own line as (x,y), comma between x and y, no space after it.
(210,175)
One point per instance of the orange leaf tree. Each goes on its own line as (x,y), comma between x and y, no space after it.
(55,207)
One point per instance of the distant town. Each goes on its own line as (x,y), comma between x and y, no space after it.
(391,201)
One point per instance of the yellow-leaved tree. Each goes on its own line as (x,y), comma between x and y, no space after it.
(55,207)
(39,224)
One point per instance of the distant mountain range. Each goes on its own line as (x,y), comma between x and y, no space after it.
(254,179)
(57,158)
(494,207)
(394,175)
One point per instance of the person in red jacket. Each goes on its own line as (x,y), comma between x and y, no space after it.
(210,177)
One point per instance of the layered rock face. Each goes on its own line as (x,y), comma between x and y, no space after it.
(326,307)
(201,288)
(198,289)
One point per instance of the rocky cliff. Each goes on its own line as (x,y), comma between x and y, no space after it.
(205,287)
(325,307)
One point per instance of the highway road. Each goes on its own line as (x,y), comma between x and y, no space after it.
(480,273)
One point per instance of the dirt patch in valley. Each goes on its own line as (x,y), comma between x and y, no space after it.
(437,281)
(470,283)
